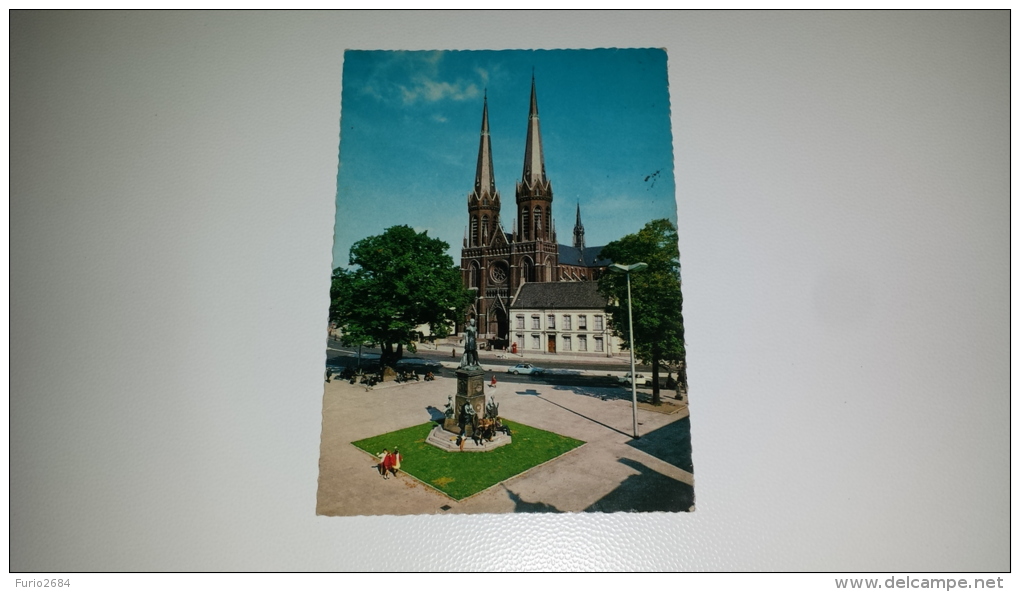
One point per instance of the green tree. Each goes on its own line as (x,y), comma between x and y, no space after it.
(658,322)
(403,279)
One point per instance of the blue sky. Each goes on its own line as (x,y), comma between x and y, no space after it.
(409,132)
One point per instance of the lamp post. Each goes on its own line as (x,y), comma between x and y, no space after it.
(627,269)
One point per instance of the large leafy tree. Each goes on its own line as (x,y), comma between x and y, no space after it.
(658,322)
(402,279)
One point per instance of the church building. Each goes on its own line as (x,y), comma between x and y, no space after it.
(495,264)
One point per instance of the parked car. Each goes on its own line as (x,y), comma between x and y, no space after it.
(625,379)
(644,380)
(525,369)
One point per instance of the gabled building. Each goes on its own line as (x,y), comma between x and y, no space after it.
(561,317)
(495,263)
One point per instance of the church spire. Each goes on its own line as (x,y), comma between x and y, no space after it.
(485,178)
(534,162)
(579,230)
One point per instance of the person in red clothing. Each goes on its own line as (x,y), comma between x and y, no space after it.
(388,465)
(492,382)
(395,465)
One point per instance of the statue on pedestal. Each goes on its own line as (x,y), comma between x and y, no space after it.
(450,411)
(469,361)
(468,417)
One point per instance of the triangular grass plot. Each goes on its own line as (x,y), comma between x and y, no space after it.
(463,474)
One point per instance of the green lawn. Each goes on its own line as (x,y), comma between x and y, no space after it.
(461,474)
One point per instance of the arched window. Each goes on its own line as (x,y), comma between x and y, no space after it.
(538,221)
(485,229)
(474,231)
(527,270)
(548,221)
(525,224)
(473,275)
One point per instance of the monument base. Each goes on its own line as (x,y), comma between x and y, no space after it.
(471,391)
(447,440)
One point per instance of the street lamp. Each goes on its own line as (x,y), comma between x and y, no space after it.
(627,269)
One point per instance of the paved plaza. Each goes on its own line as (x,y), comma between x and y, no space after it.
(612,472)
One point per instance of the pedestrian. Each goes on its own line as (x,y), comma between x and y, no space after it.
(385,454)
(387,465)
(396,461)
(492,383)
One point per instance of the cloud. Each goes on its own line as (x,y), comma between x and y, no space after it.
(439,118)
(429,90)
(372,90)
(410,77)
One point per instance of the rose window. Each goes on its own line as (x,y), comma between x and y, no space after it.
(498,273)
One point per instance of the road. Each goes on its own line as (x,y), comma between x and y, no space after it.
(561,372)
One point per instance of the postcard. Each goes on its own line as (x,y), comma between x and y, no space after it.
(505,326)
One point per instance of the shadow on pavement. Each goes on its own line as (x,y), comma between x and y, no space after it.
(435,413)
(531,392)
(530,507)
(671,443)
(582,415)
(648,491)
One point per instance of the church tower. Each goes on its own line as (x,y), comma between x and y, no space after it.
(485,256)
(483,201)
(578,230)
(535,236)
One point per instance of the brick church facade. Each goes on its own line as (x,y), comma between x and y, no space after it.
(495,263)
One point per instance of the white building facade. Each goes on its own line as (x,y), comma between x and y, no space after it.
(561,318)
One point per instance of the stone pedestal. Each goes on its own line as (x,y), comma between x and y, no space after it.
(448,441)
(470,389)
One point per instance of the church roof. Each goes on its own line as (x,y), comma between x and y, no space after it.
(559,295)
(587,257)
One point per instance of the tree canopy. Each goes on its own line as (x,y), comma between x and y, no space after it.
(658,321)
(403,279)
